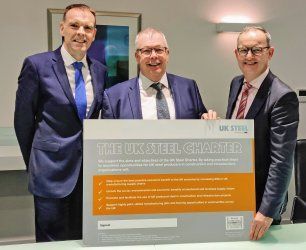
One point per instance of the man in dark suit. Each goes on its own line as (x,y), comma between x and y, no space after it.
(56,91)
(258,94)
(155,94)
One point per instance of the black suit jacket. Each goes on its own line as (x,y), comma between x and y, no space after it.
(275,111)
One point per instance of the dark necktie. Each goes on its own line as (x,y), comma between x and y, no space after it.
(80,91)
(161,103)
(244,98)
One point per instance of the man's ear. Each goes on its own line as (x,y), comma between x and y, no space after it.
(94,35)
(137,57)
(62,28)
(236,53)
(271,52)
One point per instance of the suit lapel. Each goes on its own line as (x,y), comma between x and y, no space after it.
(176,97)
(236,88)
(94,81)
(134,99)
(261,97)
(61,74)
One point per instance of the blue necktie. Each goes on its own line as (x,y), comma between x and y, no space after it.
(80,91)
(161,103)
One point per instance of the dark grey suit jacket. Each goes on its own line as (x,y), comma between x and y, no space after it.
(275,111)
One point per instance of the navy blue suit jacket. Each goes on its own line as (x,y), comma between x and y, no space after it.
(122,101)
(47,125)
(275,111)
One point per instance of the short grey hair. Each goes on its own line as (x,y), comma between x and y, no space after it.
(150,32)
(249,28)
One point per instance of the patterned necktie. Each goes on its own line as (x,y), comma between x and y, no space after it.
(161,103)
(243,102)
(80,91)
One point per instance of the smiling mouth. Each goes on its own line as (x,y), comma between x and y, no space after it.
(80,41)
(250,63)
(154,64)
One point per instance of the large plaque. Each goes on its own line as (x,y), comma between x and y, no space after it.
(167,181)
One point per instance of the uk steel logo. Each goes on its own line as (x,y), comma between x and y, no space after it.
(234,128)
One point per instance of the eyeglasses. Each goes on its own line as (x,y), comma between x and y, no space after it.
(256,51)
(148,51)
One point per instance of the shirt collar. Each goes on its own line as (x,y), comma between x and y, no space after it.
(256,83)
(146,83)
(68,59)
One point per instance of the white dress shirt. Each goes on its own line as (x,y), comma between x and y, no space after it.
(256,83)
(148,97)
(68,61)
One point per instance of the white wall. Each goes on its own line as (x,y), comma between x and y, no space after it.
(197,51)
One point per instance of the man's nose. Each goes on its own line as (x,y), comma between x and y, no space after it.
(249,53)
(153,53)
(81,30)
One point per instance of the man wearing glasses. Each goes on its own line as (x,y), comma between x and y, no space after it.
(258,94)
(154,94)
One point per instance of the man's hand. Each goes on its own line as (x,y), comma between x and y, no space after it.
(211,115)
(259,226)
